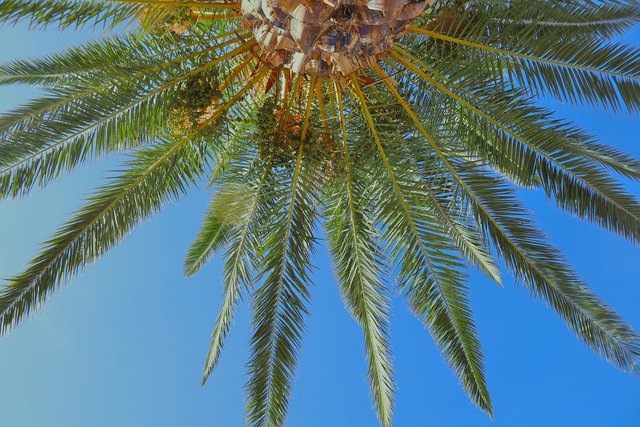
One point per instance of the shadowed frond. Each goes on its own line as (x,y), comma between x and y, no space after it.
(468,242)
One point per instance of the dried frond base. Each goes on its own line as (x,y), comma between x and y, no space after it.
(328,37)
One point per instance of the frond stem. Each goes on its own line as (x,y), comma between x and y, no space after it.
(133,76)
(499,51)
(476,110)
(444,214)
(169,85)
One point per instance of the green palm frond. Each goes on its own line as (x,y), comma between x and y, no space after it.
(571,68)
(212,237)
(107,61)
(542,269)
(429,273)
(574,17)
(79,123)
(279,303)
(153,177)
(66,13)
(358,262)
(575,184)
(156,175)
(92,13)
(244,215)
(469,242)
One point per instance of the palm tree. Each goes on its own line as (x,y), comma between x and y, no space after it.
(402,127)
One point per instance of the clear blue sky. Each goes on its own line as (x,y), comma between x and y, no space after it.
(123,344)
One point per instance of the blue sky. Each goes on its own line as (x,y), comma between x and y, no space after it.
(124,343)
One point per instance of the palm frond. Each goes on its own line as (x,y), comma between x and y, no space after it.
(571,68)
(542,269)
(244,219)
(155,176)
(467,241)
(575,184)
(104,62)
(577,17)
(429,272)
(358,261)
(66,13)
(211,238)
(412,161)
(279,304)
(79,124)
